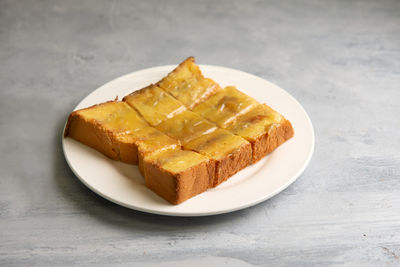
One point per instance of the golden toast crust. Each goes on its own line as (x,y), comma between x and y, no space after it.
(232,163)
(268,142)
(176,188)
(93,134)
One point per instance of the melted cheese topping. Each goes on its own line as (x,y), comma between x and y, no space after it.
(225,106)
(186,126)
(176,160)
(256,122)
(128,127)
(217,144)
(115,116)
(154,104)
(187,84)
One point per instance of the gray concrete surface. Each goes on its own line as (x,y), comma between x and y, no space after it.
(340,59)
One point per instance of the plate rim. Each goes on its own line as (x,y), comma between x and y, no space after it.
(194,214)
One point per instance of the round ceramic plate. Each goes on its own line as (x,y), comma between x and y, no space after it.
(123,184)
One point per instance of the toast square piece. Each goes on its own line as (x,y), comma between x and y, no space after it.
(186,126)
(231,153)
(187,84)
(177,175)
(264,128)
(225,106)
(115,129)
(154,104)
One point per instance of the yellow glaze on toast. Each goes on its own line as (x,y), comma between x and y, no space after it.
(177,175)
(186,126)
(217,144)
(256,122)
(225,106)
(154,104)
(187,84)
(176,160)
(116,130)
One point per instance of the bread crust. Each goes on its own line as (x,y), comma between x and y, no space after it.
(232,163)
(76,112)
(177,187)
(94,135)
(274,137)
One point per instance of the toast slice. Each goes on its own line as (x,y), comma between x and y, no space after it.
(230,153)
(186,126)
(225,106)
(177,175)
(264,128)
(116,130)
(154,104)
(187,84)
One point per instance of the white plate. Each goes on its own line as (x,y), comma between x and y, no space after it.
(123,184)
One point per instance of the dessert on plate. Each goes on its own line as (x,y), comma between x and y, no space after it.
(186,133)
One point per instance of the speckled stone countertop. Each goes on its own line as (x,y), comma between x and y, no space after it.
(340,59)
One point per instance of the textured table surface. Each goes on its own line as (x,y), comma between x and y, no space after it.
(340,59)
